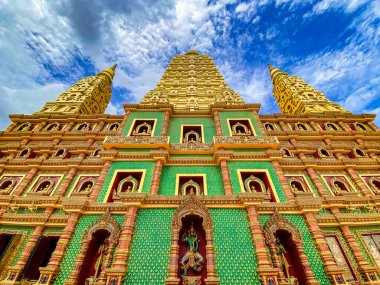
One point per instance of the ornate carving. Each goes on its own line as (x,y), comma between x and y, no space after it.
(277,222)
(191,146)
(246,141)
(136,141)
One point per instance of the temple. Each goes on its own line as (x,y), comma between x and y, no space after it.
(192,186)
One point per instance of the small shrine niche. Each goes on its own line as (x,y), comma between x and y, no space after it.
(26,153)
(44,185)
(301,127)
(241,127)
(269,127)
(83,127)
(125,183)
(192,134)
(52,127)
(359,127)
(322,152)
(357,152)
(287,152)
(113,127)
(143,128)
(24,127)
(374,184)
(84,186)
(330,127)
(7,184)
(191,185)
(298,185)
(192,263)
(256,182)
(339,186)
(62,153)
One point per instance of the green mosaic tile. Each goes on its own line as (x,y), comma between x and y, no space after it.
(175,128)
(311,186)
(125,165)
(149,259)
(324,211)
(265,165)
(224,115)
(146,115)
(52,230)
(310,250)
(213,178)
(235,257)
(75,245)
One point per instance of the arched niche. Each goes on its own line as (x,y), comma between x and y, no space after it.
(358,152)
(143,129)
(269,127)
(191,187)
(7,185)
(360,127)
(322,152)
(254,185)
(339,185)
(96,152)
(192,136)
(192,210)
(296,185)
(97,246)
(83,127)
(301,127)
(24,127)
(331,127)
(44,186)
(25,153)
(62,152)
(240,129)
(52,127)
(286,244)
(127,185)
(375,184)
(287,152)
(86,186)
(113,127)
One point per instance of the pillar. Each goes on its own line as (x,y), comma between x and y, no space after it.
(344,126)
(218,126)
(173,260)
(52,269)
(317,183)
(284,183)
(69,126)
(315,126)
(40,126)
(119,267)
(284,126)
(165,124)
(156,179)
(123,123)
(24,183)
(359,182)
(328,260)
(226,178)
(211,278)
(66,182)
(99,182)
(100,126)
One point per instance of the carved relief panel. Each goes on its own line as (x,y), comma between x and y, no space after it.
(9,182)
(45,185)
(339,185)
(83,185)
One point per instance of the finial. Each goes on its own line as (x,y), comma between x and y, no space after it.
(114,66)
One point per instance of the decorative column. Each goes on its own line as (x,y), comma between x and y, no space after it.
(99,182)
(118,270)
(24,183)
(367,271)
(123,123)
(15,271)
(265,268)
(284,126)
(156,179)
(40,126)
(100,126)
(372,126)
(48,273)
(344,126)
(226,178)
(210,253)
(328,260)
(69,126)
(317,183)
(259,123)
(359,182)
(284,183)
(315,126)
(218,126)
(165,124)
(67,181)
(173,260)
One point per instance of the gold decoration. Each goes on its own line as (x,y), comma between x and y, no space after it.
(192,82)
(295,96)
(89,95)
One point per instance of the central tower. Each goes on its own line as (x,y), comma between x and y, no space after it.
(192,82)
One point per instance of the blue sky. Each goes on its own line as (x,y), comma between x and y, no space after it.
(46,46)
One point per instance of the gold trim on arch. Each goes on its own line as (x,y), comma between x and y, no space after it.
(142,119)
(141,183)
(237,119)
(241,182)
(178,175)
(192,125)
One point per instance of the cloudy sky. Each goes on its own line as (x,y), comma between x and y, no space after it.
(46,46)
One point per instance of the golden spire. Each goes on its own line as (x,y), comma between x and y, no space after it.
(295,96)
(89,95)
(192,82)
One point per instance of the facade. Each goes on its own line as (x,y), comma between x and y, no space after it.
(191,186)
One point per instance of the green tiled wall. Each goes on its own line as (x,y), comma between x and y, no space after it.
(310,250)
(29,230)
(235,257)
(235,165)
(75,245)
(213,178)
(149,260)
(146,115)
(330,192)
(224,115)
(361,245)
(175,128)
(125,165)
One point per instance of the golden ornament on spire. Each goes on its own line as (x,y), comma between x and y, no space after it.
(295,96)
(192,82)
(89,95)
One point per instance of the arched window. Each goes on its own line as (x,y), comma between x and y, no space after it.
(52,127)
(339,186)
(301,127)
(360,127)
(297,186)
(96,152)
(24,127)
(83,127)
(253,184)
(323,152)
(331,127)
(114,127)
(86,186)
(269,127)
(61,152)
(25,152)
(7,185)
(359,152)
(287,152)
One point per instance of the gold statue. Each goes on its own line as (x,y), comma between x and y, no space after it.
(253,188)
(6,190)
(294,188)
(32,208)
(102,251)
(351,208)
(13,207)
(88,187)
(281,252)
